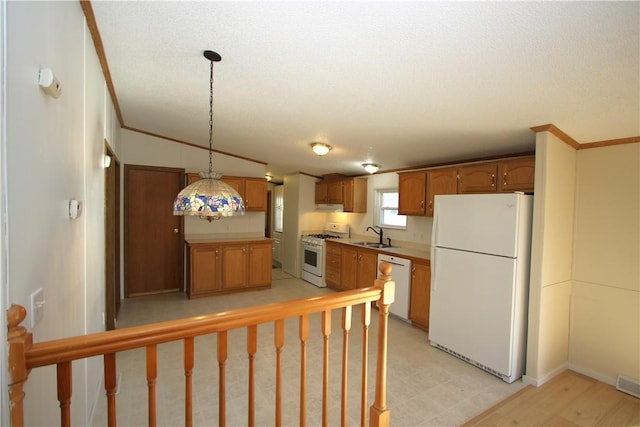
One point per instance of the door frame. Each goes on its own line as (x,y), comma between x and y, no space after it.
(112,239)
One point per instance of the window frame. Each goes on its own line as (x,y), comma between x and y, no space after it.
(378,217)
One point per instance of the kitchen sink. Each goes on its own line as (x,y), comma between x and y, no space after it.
(371,245)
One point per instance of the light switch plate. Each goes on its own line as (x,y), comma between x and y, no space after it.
(36,306)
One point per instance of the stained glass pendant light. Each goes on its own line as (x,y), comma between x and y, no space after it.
(209,198)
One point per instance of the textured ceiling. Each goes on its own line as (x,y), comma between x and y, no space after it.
(399,83)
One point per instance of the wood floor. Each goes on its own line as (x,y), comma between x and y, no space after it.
(570,399)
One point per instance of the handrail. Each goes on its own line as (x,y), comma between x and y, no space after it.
(24,355)
(80,347)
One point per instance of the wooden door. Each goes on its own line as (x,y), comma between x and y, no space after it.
(349,279)
(234,266)
(420,295)
(441,181)
(153,235)
(255,194)
(412,191)
(260,255)
(517,174)
(367,267)
(477,178)
(112,241)
(204,269)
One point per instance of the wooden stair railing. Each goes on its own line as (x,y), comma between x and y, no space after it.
(24,355)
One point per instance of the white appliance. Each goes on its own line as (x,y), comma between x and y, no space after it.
(401,275)
(313,246)
(480,258)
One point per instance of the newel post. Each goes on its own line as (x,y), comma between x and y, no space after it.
(19,341)
(379,413)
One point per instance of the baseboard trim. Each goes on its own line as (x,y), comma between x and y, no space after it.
(537,382)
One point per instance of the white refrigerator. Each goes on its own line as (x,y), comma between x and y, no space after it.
(480,257)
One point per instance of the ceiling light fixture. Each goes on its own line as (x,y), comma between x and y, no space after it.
(371,167)
(209,198)
(268,177)
(320,148)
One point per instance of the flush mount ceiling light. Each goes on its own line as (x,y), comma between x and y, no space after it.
(371,167)
(320,148)
(268,177)
(209,198)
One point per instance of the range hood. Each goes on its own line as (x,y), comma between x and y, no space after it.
(329,207)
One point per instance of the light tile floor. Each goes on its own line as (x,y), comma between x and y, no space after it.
(426,387)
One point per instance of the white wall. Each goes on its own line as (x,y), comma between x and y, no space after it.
(53,149)
(605,301)
(142,149)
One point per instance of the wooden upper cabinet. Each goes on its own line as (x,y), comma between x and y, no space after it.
(516,174)
(321,192)
(354,195)
(334,192)
(478,178)
(234,182)
(412,193)
(440,181)
(193,177)
(255,194)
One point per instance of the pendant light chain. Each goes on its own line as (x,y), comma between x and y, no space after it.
(211,118)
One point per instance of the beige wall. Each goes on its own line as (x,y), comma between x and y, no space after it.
(584,308)
(605,302)
(551,259)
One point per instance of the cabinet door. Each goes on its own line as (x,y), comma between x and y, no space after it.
(349,268)
(235,182)
(477,178)
(193,177)
(347,194)
(334,192)
(441,181)
(333,265)
(367,267)
(412,191)
(321,192)
(234,266)
(255,194)
(420,295)
(204,270)
(259,264)
(516,174)
(354,195)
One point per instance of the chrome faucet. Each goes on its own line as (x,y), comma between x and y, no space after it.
(379,233)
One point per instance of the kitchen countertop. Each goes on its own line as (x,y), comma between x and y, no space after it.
(193,239)
(410,253)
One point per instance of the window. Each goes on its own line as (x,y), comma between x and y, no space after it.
(387,209)
(278,210)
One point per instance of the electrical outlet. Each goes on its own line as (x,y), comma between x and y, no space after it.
(36,306)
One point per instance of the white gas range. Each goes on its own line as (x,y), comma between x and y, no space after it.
(313,246)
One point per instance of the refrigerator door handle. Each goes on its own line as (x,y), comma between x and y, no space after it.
(433,269)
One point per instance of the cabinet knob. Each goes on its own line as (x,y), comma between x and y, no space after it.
(504,178)
(175,230)
(493,179)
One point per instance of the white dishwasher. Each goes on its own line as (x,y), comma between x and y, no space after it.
(401,274)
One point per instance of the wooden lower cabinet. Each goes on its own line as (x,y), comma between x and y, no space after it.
(224,267)
(420,295)
(349,267)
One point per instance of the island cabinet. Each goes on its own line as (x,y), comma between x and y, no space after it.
(252,190)
(223,267)
(349,267)
(420,294)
